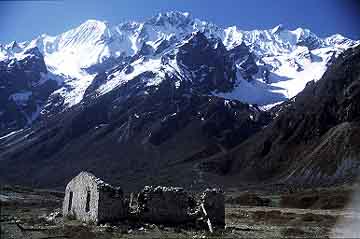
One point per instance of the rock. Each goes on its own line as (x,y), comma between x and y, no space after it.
(52,216)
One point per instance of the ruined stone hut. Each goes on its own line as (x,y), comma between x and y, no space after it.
(175,205)
(89,199)
(167,205)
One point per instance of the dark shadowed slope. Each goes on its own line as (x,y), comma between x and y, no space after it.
(138,133)
(314,138)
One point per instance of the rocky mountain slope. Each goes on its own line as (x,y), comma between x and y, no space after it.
(314,138)
(160,101)
(26,85)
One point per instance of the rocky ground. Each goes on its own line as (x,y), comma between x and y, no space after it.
(28,213)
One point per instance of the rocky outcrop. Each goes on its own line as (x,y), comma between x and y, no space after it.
(244,60)
(207,61)
(24,88)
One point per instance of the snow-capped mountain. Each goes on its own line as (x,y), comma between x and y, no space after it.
(173,100)
(268,66)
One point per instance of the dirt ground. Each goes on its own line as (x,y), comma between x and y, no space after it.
(26,213)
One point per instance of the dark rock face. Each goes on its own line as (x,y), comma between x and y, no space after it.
(34,61)
(146,50)
(165,43)
(106,64)
(207,62)
(314,137)
(246,60)
(98,80)
(311,41)
(24,87)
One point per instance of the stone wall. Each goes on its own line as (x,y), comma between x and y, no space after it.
(93,200)
(167,205)
(214,204)
(79,186)
(112,206)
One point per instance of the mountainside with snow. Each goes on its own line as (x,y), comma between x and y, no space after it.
(147,98)
(270,65)
(314,138)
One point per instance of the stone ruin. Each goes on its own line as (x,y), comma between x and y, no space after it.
(164,205)
(89,199)
(174,205)
(212,204)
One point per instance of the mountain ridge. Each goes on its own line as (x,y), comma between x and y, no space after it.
(137,102)
(271,65)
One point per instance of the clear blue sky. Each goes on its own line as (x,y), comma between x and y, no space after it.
(24,20)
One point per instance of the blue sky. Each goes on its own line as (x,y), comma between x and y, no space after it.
(24,20)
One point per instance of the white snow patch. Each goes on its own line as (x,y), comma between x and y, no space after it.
(254,92)
(140,66)
(10,134)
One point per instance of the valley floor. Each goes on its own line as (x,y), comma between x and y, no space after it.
(26,213)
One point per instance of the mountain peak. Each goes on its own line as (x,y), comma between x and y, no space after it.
(12,45)
(278,29)
(89,32)
(94,23)
(174,18)
(340,41)
(174,14)
(96,26)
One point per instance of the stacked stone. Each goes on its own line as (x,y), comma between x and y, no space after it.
(214,204)
(112,206)
(166,205)
(89,199)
